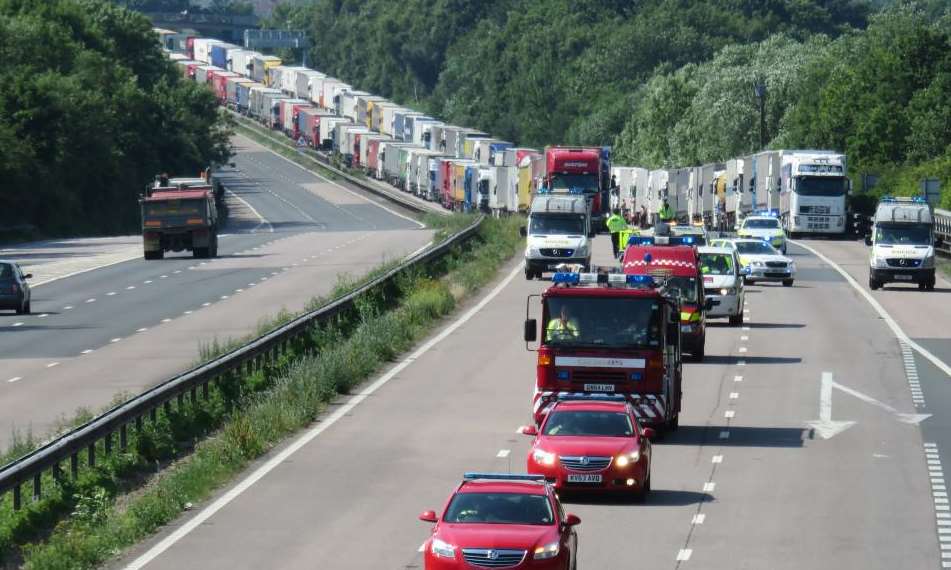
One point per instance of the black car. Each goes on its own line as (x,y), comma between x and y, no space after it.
(14,290)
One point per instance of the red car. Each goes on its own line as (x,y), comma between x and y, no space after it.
(593,443)
(500,520)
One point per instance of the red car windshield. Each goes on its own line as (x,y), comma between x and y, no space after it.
(499,508)
(609,322)
(604,424)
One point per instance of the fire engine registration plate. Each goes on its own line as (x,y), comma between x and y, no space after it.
(599,387)
(583,478)
(903,277)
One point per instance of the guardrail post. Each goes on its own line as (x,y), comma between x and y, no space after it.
(194,395)
(92,454)
(204,390)
(74,465)
(37,486)
(17,501)
(167,406)
(107,443)
(181,400)
(153,414)
(138,424)
(123,437)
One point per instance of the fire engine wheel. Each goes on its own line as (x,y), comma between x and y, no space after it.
(737,319)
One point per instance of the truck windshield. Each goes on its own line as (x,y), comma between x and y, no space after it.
(820,186)
(903,234)
(603,322)
(557,225)
(587,183)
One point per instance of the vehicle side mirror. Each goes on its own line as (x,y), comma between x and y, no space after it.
(428,516)
(649,433)
(572,519)
(531,330)
(707,304)
(528,430)
(28,276)
(523,231)
(868,239)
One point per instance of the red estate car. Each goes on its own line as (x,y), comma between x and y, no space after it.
(593,443)
(499,520)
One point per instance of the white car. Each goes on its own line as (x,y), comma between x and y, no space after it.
(764,262)
(722,282)
(766,228)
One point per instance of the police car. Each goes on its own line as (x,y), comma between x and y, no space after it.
(764,226)
(763,261)
(722,282)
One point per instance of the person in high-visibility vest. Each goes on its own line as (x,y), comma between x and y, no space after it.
(666,213)
(561,327)
(616,224)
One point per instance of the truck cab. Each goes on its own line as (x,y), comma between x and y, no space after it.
(608,333)
(902,244)
(675,260)
(558,231)
(577,170)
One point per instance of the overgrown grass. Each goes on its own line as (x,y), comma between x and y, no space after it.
(944,266)
(197,447)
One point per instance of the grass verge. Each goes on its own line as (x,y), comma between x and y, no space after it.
(198,446)
(944,266)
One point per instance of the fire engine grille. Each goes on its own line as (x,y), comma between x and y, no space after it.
(598,376)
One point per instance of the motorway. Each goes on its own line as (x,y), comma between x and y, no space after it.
(801,445)
(105,324)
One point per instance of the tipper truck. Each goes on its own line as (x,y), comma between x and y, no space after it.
(180,214)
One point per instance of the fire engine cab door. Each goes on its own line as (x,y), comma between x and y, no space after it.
(671,357)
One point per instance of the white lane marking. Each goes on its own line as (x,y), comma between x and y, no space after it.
(187,313)
(698,519)
(734,395)
(422,547)
(166,320)
(142,330)
(912,419)
(717,459)
(90,300)
(17,325)
(238,290)
(745,337)
(263,220)
(43,316)
(729,414)
(87,351)
(223,297)
(503,453)
(52,364)
(684,554)
(737,378)
(724,435)
(309,435)
(15,379)
(896,330)
(206,304)
(177,271)
(115,340)
(746,328)
(110,294)
(742,349)
(825,426)
(709,487)
(130,287)
(68,308)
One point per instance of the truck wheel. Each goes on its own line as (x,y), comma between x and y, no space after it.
(873,284)
(930,286)
(747,281)
(26,308)
(529,274)
(674,424)
(787,282)
(737,319)
(698,354)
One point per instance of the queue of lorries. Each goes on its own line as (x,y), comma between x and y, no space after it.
(608,342)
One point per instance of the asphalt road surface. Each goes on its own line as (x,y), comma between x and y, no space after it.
(768,470)
(128,325)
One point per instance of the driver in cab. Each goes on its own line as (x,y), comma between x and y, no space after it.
(562,327)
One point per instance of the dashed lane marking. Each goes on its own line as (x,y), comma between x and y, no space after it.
(52,364)
(142,330)
(698,519)
(115,340)
(503,453)
(17,325)
(684,554)
(87,351)
(717,459)
(734,395)
(342,411)
(729,414)
(709,487)
(111,294)
(166,320)
(91,300)
(737,378)
(15,379)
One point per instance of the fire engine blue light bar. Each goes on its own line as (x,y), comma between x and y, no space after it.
(640,280)
(566,277)
(472,475)
(665,240)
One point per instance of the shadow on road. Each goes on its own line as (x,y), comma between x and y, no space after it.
(657,498)
(726,359)
(740,436)
(775,325)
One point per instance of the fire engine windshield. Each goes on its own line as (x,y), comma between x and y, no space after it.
(603,322)
(578,182)
(820,186)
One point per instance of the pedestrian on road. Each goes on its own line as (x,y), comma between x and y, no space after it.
(616,225)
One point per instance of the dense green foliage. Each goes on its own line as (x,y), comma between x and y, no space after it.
(667,82)
(90,111)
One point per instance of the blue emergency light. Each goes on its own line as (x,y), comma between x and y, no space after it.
(664,240)
(568,278)
(768,213)
(473,475)
(574,278)
(598,397)
(640,280)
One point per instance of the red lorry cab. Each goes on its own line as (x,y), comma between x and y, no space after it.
(608,334)
(680,267)
(575,169)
